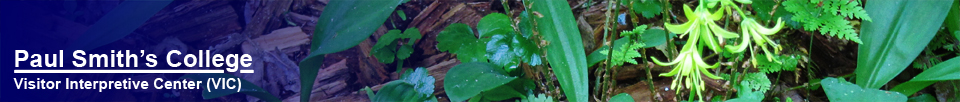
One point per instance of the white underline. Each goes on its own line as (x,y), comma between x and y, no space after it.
(118,71)
(246,71)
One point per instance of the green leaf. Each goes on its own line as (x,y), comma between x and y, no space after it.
(952,21)
(947,70)
(454,37)
(396,91)
(823,16)
(505,47)
(403,16)
(654,37)
(843,91)
(763,8)
(528,51)
(922,98)
(565,49)
(412,34)
(596,57)
(752,88)
(503,92)
(387,39)
(469,79)
(494,23)
(413,86)
(422,83)
(245,87)
(385,48)
(344,24)
(646,8)
(899,32)
(458,38)
(118,23)
(404,52)
(500,53)
(622,97)
(538,98)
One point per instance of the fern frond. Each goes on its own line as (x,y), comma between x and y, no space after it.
(830,18)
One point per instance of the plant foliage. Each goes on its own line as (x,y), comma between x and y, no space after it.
(828,16)
(498,42)
(458,38)
(646,8)
(839,90)
(752,88)
(470,79)
(622,97)
(787,63)
(386,48)
(689,64)
(898,33)
(413,86)
(538,98)
(627,51)
(331,33)
(564,48)
(944,71)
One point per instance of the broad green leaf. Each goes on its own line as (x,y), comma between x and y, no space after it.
(458,38)
(946,70)
(245,87)
(413,86)
(898,33)
(646,8)
(505,47)
(596,57)
(952,22)
(474,52)
(622,97)
(344,24)
(118,23)
(843,91)
(403,16)
(387,39)
(494,23)
(385,55)
(422,83)
(412,34)
(385,47)
(469,79)
(454,37)
(922,98)
(499,52)
(747,95)
(654,37)
(565,49)
(763,8)
(404,52)
(501,93)
(526,24)
(397,91)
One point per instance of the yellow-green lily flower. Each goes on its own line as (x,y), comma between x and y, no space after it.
(689,66)
(702,24)
(754,31)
